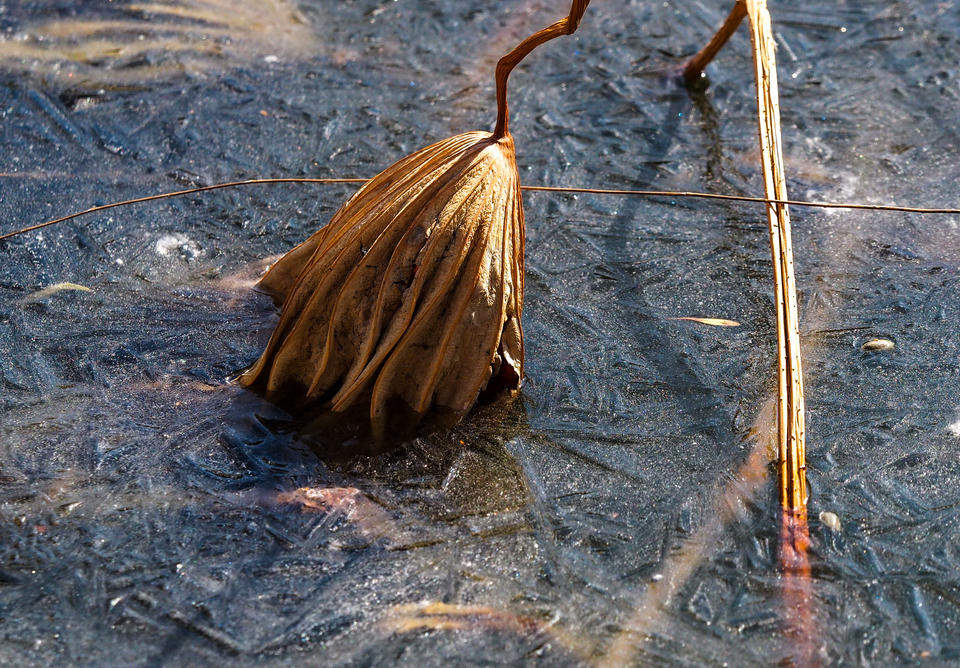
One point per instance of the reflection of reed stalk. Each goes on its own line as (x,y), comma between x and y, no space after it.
(159,39)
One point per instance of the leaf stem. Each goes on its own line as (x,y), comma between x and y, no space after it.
(565,26)
(695,66)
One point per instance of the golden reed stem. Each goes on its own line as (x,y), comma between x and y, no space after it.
(797,594)
(798,597)
(790,413)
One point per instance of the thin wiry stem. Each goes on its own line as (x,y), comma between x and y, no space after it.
(551,189)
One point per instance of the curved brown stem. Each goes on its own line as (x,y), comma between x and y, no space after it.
(565,26)
(695,66)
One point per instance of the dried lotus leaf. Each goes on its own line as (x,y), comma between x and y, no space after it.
(410,300)
(413,292)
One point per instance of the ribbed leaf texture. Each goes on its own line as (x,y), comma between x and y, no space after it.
(411,296)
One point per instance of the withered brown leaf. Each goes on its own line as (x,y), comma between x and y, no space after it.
(414,291)
(411,297)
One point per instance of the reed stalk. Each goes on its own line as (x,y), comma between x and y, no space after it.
(791,458)
(794,532)
(790,404)
(790,413)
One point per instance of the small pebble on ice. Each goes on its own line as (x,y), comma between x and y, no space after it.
(830,520)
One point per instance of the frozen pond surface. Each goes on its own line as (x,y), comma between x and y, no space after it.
(151,514)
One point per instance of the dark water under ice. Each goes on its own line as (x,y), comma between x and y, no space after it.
(151,514)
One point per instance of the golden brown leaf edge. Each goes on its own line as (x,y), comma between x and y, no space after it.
(409,301)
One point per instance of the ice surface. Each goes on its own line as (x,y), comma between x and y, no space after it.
(152,513)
